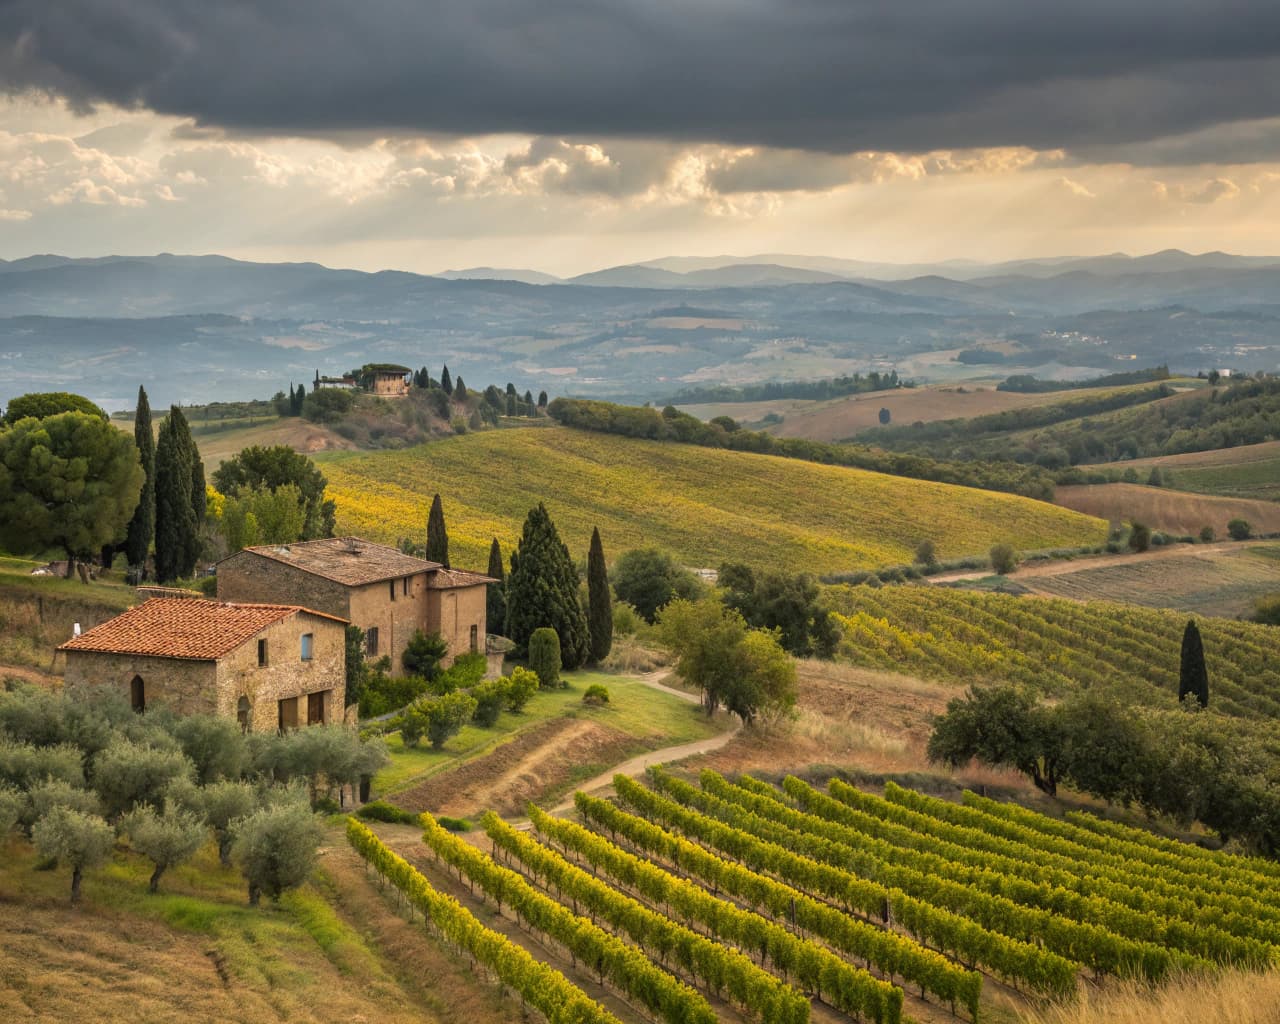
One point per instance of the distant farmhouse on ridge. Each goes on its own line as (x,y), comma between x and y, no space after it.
(386,380)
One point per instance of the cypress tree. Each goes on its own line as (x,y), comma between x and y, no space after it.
(142,526)
(542,399)
(446,384)
(542,590)
(437,536)
(176,534)
(459,390)
(1193,676)
(599,601)
(496,597)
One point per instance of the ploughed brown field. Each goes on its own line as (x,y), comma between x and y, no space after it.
(1179,512)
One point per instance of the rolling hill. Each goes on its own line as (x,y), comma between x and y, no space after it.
(705,505)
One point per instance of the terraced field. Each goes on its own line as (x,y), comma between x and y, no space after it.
(1052,644)
(745,902)
(704,505)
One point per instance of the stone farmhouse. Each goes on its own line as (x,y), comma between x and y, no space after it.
(386,380)
(271,666)
(382,590)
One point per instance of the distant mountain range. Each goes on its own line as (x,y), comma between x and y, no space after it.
(204,327)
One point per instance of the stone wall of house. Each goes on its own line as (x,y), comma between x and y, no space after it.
(251,578)
(454,613)
(286,676)
(185,686)
(395,618)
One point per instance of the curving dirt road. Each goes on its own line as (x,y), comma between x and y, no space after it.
(636,766)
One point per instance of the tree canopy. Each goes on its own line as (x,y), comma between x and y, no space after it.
(42,405)
(69,481)
(437,535)
(542,590)
(790,604)
(649,579)
(267,468)
(142,526)
(177,523)
(599,601)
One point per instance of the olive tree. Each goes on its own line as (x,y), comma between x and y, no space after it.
(275,847)
(165,839)
(73,838)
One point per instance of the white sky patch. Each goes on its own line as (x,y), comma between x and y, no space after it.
(134,182)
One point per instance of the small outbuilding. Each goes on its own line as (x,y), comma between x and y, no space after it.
(269,666)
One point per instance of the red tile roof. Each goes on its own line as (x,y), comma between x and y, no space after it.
(184,628)
(347,560)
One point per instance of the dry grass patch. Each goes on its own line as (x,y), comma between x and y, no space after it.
(1231,997)
(1178,512)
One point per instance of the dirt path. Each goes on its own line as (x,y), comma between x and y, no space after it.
(31,675)
(1063,566)
(637,765)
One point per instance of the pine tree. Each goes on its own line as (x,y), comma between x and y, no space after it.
(446,384)
(496,598)
(437,536)
(542,590)
(142,526)
(177,538)
(542,399)
(459,390)
(1193,676)
(599,601)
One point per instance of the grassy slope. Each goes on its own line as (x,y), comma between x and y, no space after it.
(1178,512)
(1225,583)
(705,505)
(1250,471)
(653,719)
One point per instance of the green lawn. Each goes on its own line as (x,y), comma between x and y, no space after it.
(655,718)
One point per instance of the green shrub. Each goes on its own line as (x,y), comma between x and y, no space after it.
(454,824)
(521,686)
(437,718)
(381,810)
(1139,536)
(1208,535)
(544,656)
(423,654)
(383,694)
(596,694)
(490,698)
(1004,559)
(1239,529)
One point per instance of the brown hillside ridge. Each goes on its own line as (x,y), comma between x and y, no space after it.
(380,589)
(1179,512)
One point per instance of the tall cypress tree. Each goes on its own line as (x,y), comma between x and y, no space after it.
(446,384)
(177,536)
(599,601)
(142,526)
(542,590)
(1193,675)
(496,598)
(437,536)
(459,390)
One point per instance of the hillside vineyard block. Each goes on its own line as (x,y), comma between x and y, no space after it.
(246,661)
(385,592)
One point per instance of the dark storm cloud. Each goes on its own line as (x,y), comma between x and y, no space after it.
(835,75)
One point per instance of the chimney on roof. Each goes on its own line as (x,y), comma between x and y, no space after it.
(352,546)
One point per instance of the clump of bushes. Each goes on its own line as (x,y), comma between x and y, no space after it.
(544,656)
(1004,559)
(381,810)
(596,695)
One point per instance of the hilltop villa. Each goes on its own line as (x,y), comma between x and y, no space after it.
(382,590)
(271,666)
(386,380)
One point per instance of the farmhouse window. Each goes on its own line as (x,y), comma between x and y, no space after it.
(315,709)
(405,586)
(262,653)
(307,639)
(137,695)
(371,642)
(475,639)
(393,590)
(242,713)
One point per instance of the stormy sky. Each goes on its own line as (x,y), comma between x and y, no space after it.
(570,134)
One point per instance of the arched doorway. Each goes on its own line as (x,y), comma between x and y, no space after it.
(242,713)
(137,695)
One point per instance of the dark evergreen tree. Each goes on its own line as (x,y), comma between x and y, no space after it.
(177,529)
(459,390)
(142,526)
(446,383)
(496,598)
(542,399)
(528,398)
(437,536)
(599,601)
(512,405)
(1193,676)
(542,590)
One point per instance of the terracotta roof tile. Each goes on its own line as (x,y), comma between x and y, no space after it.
(184,628)
(347,560)
(447,579)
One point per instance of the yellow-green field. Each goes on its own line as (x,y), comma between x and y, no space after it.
(705,505)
